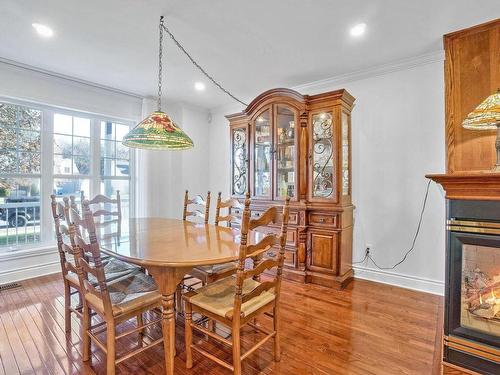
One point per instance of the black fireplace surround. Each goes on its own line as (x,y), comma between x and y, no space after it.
(470,225)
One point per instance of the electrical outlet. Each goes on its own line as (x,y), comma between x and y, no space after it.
(368,248)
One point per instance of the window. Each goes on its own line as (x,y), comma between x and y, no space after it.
(45,151)
(20,161)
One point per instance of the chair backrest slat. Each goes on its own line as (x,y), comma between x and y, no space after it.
(196,201)
(250,251)
(105,207)
(260,267)
(229,204)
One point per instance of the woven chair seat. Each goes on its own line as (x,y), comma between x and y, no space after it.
(128,293)
(218,297)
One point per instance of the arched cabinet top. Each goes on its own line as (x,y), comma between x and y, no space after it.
(293,98)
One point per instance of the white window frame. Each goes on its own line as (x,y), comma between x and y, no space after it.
(47,175)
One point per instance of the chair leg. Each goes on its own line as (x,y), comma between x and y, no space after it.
(236,348)
(110,347)
(67,306)
(86,323)
(178,300)
(188,334)
(276,324)
(140,323)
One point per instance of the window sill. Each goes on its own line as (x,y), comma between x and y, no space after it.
(27,252)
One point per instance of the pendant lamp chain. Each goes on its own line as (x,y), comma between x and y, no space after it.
(160,64)
(193,61)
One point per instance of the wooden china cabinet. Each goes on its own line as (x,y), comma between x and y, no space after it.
(285,143)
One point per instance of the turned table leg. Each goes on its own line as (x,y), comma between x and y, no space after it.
(167,279)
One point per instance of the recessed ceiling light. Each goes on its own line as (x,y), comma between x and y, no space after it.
(199,86)
(43,30)
(358,29)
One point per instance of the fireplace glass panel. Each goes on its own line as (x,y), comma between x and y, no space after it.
(480,289)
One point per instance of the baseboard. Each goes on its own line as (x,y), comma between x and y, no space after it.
(401,280)
(27,266)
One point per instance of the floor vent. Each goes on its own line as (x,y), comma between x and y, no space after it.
(9,286)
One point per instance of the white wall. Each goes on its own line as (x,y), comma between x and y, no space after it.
(397,137)
(164,175)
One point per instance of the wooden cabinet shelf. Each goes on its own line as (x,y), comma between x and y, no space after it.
(285,143)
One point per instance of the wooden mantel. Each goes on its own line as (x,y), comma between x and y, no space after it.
(470,185)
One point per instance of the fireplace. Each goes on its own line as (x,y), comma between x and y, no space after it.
(472,308)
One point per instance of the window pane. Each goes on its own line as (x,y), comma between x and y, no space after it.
(63,164)
(29,140)
(8,113)
(30,119)
(8,138)
(29,162)
(8,161)
(122,152)
(81,165)
(107,167)
(81,146)
(72,187)
(81,126)
(108,149)
(121,131)
(122,168)
(107,130)
(63,124)
(19,211)
(63,144)
(110,187)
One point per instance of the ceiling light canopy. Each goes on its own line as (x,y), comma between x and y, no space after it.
(358,30)
(43,30)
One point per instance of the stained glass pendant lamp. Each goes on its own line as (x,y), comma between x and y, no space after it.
(158,131)
(486,116)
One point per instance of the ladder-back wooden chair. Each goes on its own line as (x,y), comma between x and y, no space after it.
(237,300)
(67,259)
(197,201)
(114,301)
(107,213)
(113,267)
(228,204)
(209,274)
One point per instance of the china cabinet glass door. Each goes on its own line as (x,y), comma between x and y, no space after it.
(262,154)
(239,161)
(285,150)
(322,157)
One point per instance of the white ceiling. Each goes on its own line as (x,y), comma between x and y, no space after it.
(250,46)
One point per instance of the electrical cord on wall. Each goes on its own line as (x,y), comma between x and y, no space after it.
(367,253)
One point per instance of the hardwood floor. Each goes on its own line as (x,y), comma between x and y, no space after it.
(368,328)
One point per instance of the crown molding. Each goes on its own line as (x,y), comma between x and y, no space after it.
(52,74)
(376,71)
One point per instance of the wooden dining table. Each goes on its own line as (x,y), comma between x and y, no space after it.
(169,249)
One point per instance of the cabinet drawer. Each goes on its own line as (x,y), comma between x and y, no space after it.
(323,219)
